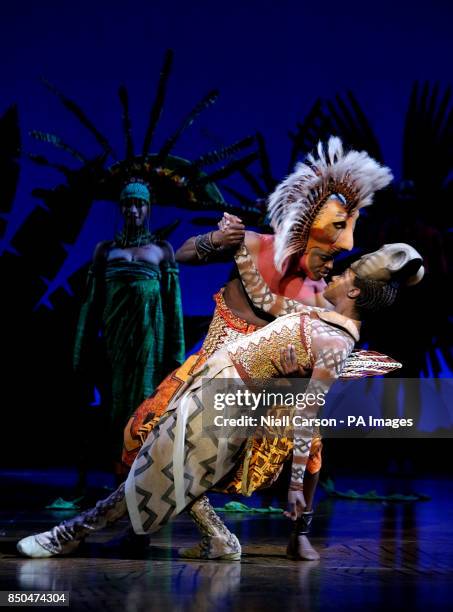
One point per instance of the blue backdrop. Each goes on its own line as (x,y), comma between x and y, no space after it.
(270,60)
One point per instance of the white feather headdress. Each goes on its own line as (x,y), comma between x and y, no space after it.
(296,201)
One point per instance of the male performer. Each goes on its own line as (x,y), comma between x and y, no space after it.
(313,213)
(179,461)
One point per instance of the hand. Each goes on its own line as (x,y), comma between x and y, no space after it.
(231,231)
(227,220)
(296,504)
(288,364)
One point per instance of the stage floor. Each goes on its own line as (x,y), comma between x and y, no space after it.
(374,556)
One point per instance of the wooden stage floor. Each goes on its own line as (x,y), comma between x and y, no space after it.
(374,556)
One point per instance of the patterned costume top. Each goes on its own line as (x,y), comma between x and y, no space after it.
(258,355)
(224,327)
(323,341)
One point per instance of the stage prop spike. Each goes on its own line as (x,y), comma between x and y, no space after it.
(240,197)
(269,181)
(56,141)
(225,171)
(315,127)
(164,232)
(207,101)
(254,183)
(156,109)
(427,152)
(127,125)
(75,109)
(40,160)
(369,135)
(224,153)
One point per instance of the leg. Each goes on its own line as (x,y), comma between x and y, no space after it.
(66,537)
(310,484)
(299,546)
(217,541)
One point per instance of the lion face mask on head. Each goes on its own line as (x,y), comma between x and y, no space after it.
(315,208)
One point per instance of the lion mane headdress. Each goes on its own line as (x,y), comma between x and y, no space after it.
(296,201)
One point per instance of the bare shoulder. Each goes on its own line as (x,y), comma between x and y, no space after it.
(252,242)
(167,250)
(101,251)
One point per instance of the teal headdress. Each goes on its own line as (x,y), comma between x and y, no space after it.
(136,190)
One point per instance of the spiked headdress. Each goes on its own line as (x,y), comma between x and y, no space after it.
(297,200)
(172,180)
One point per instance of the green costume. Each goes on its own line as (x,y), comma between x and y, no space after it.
(137,306)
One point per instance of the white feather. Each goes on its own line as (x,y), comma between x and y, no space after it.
(298,194)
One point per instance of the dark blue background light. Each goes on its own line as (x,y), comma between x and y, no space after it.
(270,60)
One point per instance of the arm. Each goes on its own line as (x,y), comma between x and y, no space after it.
(174,348)
(282,305)
(100,253)
(259,291)
(330,352)
(91,310)
(215,246)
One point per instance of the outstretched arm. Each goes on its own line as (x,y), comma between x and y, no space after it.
(215,246)
(330,353)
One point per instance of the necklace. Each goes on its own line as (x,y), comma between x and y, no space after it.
(123,240)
